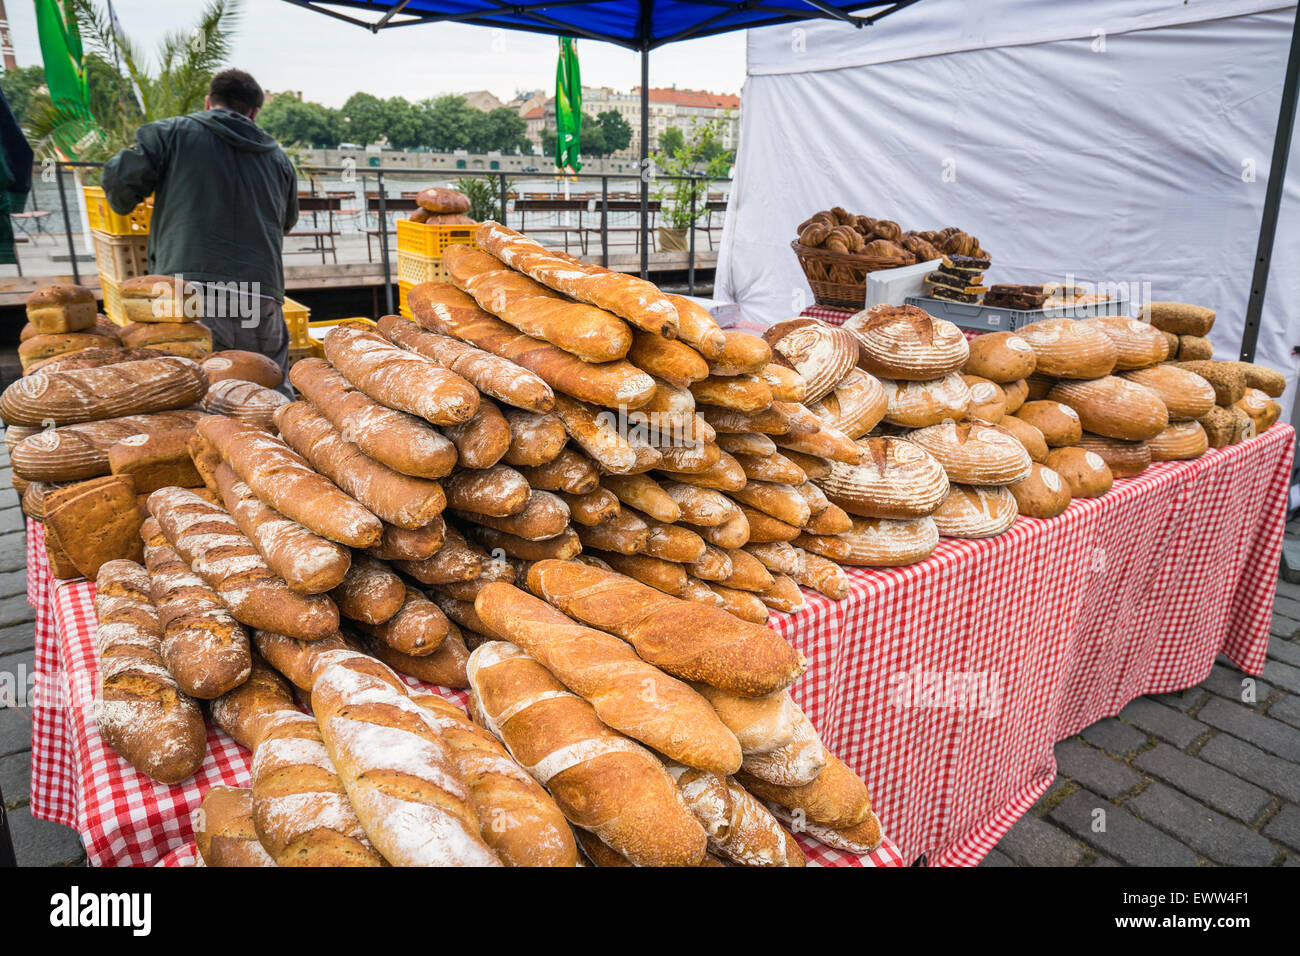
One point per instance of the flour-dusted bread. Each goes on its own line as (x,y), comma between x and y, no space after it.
(94,522)
(108,391)
(972,511)
(1058,423)
(1178,442)
(855,405)
(1043,494)
(246,401)
(1228,379)
(1084,471)
(155,460)
(888,542)
(1066,348)
(922,403)
(894,479)
(224,832)
(1263,411)
(1114,407)
(1124,458)
(974,453)
(1137,344)
(822,354)
(907,343)
(61,308)
(837,798)
(1000,357)
(1029,436)
(74,452)
(246,366)
(439,199)
(1186,395)
(988,400)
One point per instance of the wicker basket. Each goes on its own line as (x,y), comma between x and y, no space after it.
(839,279)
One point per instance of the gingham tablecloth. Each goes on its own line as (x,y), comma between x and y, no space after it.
(123,817)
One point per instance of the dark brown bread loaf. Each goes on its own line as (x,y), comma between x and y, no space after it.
(371,593)
(73,452)
(247,366)
(109,391)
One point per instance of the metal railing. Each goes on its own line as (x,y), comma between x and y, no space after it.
(361,178)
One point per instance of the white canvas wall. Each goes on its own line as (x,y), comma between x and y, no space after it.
(1109,139)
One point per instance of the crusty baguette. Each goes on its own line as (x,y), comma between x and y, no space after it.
(664,576)
(713,565)
(742,604)
(482,441)
(747,443)
(597,432)
(670,542)
(861,839)
(747,572)
(595,507)
(141,710)
(535,438)
(398,378)
(627,693)
(456,560)
(570,471)
(284,480)
(696,327)
(761,724)
(241,710)
(397,770)
(777,556)
(496,491)
(490,374)
(745,393)
(644,494)
(370,593)
(308,563)
(403,442)
(590,333)
(109,391)
(601,780)
(445,666)
(782,502)
(725,474)
(836,798)
(674,362)
(224,833)
(417,629)
(561,547)
(794,764)
(783,595)
(735,532)
(687,640)
(738,826)
(823,576)
(294,658)
(390,495)
(545,516)
(401,544)
(625,533)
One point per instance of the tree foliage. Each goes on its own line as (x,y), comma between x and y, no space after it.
(21,86)
(684,173)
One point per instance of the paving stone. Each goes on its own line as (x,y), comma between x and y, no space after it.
(1287,607)
(1124,836)
(1283,627)
(41,843)
(17,637)
(1285,826)
(12,583)
(13,551)
(1229,682)
(16,778)
(1286,589)
(1114,736)
(1204,781)
(1035,842)
(1100,859)
(1164,722)
(1264,732)
(1284,651)
(1283,675)
(1049,796)
(13,519)
(15,610)
(1212,834)
(15,730)
(1291,861)
(1277,776)
(997,859)
(1183,700)
(1286,710)
(1094,770)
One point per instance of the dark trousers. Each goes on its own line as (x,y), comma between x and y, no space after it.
(253,324)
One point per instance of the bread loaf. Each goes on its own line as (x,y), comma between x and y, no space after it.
(87,358)
(1262,410)
(792,764)
(862,839)
(61,308)
(1226,378)
(922,403)
(988,402)
(905,342)
(140,710)
(192,340)
(399,544)
(822,354)
(1137,344)
(570,471)
(1017,393)
(696,327)
(496,491)
(1058,423)
(738,826)
(1029,437)
(786,384)
(1000,357)
(1066,348)
(40,348)
(246,366)
(822,575)
(971,511)
(246,401)
(370,593)
(836,798)
(1043,494)
(1084,471)
(894,479)
(241,710)
(672,542)
(973,453)
(884,542)
(294,658)
(625,533)
(155,460)
(561,547)
(545,516)
(224,834)
(1194,348)
(1124,458)
(535,438)
(1179,317)
(418,628)
(1186,395)
(742,354)
(109,391)
(94,522)
(1180,441)
(74,452)
(455,560)
(444,667)
(855,405)
(1114,407)
(159,298)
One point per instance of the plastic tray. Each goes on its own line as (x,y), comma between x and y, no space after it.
(297,317)
(982,318)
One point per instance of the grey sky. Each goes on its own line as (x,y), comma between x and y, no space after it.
(287,47)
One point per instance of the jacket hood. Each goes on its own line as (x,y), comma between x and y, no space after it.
(237,130)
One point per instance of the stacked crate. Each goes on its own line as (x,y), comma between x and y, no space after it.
(419,254)
(121,243)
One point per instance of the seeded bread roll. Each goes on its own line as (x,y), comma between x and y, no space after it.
(1043,494)
(1059,424)
(1084,471)
(1000,357)
(1065,348)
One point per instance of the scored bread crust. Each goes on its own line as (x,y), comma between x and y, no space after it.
(1137,344)
(1114,407)
(1178,442)
(1186,395)
(905,342)
(1124,458)
(917,404)
(975,453)
(972,511)
(822,354)
(1065,348)
(895,478)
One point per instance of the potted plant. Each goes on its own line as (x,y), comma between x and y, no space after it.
(684,170)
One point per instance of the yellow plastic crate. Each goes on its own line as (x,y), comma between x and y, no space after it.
(422,239)
(403,303)
(297,317)
(102,217)
(121,257)
(111,292)
(413,269)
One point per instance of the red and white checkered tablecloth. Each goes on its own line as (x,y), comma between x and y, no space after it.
(123,817)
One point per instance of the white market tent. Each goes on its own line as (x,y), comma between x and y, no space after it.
(1119,141)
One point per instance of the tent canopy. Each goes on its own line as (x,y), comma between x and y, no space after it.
(638,24)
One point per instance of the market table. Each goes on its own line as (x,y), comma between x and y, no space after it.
(123,817)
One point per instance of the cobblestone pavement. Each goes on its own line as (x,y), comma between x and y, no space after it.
(1207,776)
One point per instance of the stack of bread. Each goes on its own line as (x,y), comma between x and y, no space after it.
(62,322)
(439,206)
(162,313)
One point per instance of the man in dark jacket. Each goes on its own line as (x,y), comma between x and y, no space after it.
(224,196)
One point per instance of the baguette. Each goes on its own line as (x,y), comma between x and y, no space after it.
(591,334)
(284,480)
(545,516)
(108,391)
(497,491)
(836,798)
(742,354)
(570,471)
(663,576)
(782,502)
(829,442)
(699,506)
(246,401)
(742,604)
(391,496)
(686,640)
(744,393)
(747,443)
(482,441)
(397,770)
(456,560)
(761,724)
(697,327)
(490,374)
(625,533)
(674,362)
(764,528)
(206,460)
(774,467)
(644,494)
(713,565)
(779,557)
(738,826)
(725,474)
(593,508)
(795,764)
(400,544)
(672,542)
(695,458)
(399,379)
(403,442)
(562,547)
(823,576)
(241,710)
(786,384)
(417,629)
(496,568)
(141,711)
(445,666)
(597,433)
(735,532)
(601,780)
(294,658)
(370,593)
(224,833)
(535,438)
(862,839)
(747,572)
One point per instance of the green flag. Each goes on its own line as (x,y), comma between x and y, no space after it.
(65,76)
(568,107)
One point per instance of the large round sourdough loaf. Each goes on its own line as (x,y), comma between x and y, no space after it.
(889,542)
(1114,407)
(1037,386)
(1137,344)
(975,453)
(1017,394)
(247,401)
(1124,458)
(856,405)
(988,402)
(1178,442)
(1000,357)
(894,479)
(1027,435)
(1186,395)
(976,512)
(918,404)
(1043,494)
(822,354)
(904,342)
(1084,471)
(1066,348)
(1057,423)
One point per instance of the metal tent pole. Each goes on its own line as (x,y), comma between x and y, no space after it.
(1272,198)
(645,162)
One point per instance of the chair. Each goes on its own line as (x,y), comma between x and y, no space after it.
(37,216)
(392,204)
(323,240)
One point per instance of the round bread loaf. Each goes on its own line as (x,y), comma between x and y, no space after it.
(1058,424)
(1186,395)
(1228,379)
(907,343)
(1178,442)
(1000,357)
(988,402)
(1066,348)
(1028,436)
(61,308)
(1180,318)
(1243,424)
(1194,348)
(976,512)
(1137,344)
(1043,494)
(1171,341)
(1124,458)
(822,354)
(1084,471)
(1114,407)
(438,199)
(1037,386)
(1017,394)
(247,366)
(918,404)
(855,406)
(160,334)
(889,542)
(975,453)
(1262,410)
(894,479)
(247,401)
